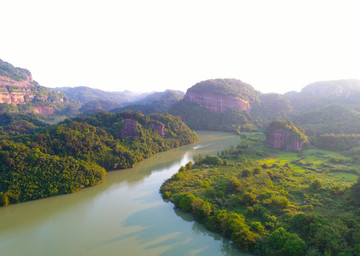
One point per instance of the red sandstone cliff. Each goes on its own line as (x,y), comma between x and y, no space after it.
(283,139)
(16,92)
(216,102)
(221,95)
(131,128)
(17,88)
(159,128)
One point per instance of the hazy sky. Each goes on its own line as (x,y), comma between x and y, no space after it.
(153,45)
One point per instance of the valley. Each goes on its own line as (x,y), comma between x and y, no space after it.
(284,180)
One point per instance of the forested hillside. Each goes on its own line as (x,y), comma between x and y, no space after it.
(49,160)
(200,118)
(335,118)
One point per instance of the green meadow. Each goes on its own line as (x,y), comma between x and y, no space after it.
(272,202)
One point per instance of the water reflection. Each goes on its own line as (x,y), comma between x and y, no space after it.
(125,215)
(44,209)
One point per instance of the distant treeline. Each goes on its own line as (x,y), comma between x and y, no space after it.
(338,142)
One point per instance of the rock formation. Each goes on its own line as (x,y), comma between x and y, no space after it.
(221,95)
(281,139)
(43,110)
(131,128)
(284,135)
(218,103)
(16,92)
(159,128)
(19,93)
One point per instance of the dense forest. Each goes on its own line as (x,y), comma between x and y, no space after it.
(38,161)
(271,202)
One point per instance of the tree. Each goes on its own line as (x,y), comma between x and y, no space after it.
(212,160)
(316,185)
(282,243)
(189,165)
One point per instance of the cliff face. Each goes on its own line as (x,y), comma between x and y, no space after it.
(159,128)
(16,92)
(216,102)
(282,139)
(19,93)
(44,110)
(131,128)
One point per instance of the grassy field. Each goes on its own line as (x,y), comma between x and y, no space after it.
(309,159)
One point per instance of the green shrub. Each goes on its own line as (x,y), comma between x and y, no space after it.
(280,202)
(248,199)
(212,160)
(185,202)
(234,185)
(166,195)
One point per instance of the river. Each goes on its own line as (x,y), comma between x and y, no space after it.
(125,215)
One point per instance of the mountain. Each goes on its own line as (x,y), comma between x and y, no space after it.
(85,94)
(335,88)
(19,93)
(167,97)
(95,106)
(335,118)
(154,103)
(219,104)
(320,94)
(222,94)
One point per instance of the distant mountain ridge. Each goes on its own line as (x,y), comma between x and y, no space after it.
(322,93)
(95,100)
(154,103)
(334,88)
(85,94)
(214,104)
(168,96)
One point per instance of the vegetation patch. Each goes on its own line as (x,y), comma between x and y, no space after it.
(271,202)
(38,161)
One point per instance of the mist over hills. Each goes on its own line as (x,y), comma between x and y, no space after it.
(157,102)
(322,93)
(85,94)
(214,104)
